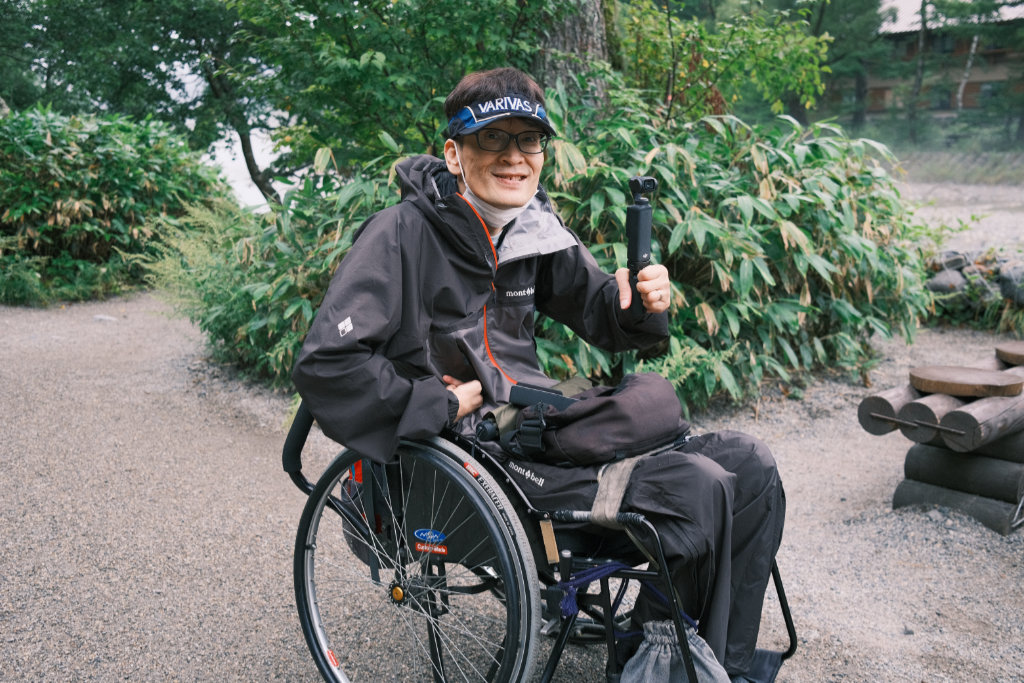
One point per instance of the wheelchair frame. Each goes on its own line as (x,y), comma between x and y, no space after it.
(572,570)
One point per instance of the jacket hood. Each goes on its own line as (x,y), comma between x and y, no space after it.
(426,183)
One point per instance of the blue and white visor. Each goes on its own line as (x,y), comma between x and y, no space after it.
(481,114)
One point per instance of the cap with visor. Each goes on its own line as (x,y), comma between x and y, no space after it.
(482,114)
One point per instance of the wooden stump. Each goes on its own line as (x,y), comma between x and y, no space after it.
(965,382)
(980,422)
(970,473)
(1007,448)
(877,413)
(1011,353)
(922,417)
(995,514)
(975,424)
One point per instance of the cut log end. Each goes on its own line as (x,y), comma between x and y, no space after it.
(877,413)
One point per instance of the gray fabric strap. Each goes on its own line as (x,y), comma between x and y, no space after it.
(504,417)
(611,487)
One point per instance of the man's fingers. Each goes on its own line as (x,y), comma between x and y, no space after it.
(470,397)
(470,394)
(655,287)
(625,291)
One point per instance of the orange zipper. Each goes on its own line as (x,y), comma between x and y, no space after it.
(487,341)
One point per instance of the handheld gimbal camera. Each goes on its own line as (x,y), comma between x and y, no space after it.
(638,234)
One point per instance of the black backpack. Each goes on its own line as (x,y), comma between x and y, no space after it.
(602,424)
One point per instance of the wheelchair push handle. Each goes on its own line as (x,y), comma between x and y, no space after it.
(291,454)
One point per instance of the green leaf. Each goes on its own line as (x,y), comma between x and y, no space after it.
(790,354)
(621,254)
(732,319)
(715,124)
(322,158)
(596,208)
(764,208)
(746,278)
(764,271)
(746,207)
(389,142)
(729,381)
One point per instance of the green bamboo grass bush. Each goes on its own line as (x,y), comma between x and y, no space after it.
(788,246)
(78,199)
(252,282)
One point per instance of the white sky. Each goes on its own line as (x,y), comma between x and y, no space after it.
(908,15)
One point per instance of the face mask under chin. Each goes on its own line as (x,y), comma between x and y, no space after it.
(494,217)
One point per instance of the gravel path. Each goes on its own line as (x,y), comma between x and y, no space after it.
(994,214)
(148,527)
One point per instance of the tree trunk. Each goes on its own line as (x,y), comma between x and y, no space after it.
(796,109)
(258,176)
(860,99)
(222,92)
(967,74)
(580,38)
(915,91)
(983,421)
(990,477)
(995,514)
(4,109)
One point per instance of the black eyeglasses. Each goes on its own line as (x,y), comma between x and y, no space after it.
(496,140)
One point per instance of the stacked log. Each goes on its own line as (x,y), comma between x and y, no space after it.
(968,451)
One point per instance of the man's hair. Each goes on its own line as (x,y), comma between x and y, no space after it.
(489,85)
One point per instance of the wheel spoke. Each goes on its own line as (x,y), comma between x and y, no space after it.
(386,602)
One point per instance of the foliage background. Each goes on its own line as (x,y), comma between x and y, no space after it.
(788,247)
(81,200)
(787,241)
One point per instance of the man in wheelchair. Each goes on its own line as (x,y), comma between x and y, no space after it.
(428,324)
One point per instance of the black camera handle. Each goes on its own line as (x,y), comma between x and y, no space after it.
(638,235)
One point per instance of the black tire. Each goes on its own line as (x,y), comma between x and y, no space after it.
(443,587)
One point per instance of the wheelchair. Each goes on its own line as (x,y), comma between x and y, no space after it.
(436,567)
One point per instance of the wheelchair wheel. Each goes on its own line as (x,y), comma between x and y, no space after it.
(415,570)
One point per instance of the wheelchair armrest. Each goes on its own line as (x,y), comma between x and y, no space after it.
(622,518)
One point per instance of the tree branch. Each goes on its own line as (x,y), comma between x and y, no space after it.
(221,90)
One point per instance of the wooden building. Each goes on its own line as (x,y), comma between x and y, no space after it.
(964,69)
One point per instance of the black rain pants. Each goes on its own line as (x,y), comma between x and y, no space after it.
(719,507)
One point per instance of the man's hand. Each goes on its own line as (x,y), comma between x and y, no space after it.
(470,394)
(653,284)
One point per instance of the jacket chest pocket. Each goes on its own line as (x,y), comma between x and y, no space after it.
(454,348)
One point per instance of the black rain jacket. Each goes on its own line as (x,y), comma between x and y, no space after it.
(424,292)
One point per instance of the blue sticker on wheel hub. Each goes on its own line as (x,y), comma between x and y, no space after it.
(429,535)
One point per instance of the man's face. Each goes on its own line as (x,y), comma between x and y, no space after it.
(504,179)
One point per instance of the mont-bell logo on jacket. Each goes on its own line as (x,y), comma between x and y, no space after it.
(516,296)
